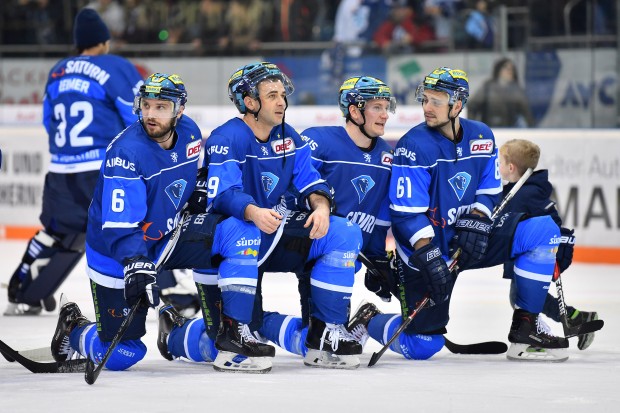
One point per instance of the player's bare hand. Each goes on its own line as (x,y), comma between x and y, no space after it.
(319,220)
(266,219)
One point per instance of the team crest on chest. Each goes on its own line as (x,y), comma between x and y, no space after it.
(362,184)
(459,183)
(175,191)
(175,157)
(269,182)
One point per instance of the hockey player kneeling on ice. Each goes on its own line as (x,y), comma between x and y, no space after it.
(253,162)
(356,161)
(445,184)
(148,176)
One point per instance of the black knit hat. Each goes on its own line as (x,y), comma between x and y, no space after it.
(89,30)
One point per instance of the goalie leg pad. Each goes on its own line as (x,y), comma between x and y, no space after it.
(235,363)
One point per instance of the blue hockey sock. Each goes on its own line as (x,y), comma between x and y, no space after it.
(285,331)
(192,342)
(411,346)
(331,286)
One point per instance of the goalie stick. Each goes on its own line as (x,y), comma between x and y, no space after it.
(453,267)
(69,366)
(92,371)
(487,347)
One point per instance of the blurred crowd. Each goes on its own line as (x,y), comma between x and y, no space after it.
(237,27)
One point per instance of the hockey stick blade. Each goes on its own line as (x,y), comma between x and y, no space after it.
(585,328)
(35,354)
(486,347)
(92,372)
(69,366)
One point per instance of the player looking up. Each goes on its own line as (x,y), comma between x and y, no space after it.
(149,174)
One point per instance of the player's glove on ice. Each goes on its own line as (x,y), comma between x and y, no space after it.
(434,270)
(472,237)
(564,256)
(140,278)
(380,280)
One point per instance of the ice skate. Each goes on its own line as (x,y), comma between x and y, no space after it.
(69,317)
(531,340)
(239,351)
(331,346)
(21,309)
(169,318)
(579,317)
(358,325)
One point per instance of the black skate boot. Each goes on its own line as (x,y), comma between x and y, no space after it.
(169,318)
(579,317)
(532,340)
(331,346)
(239,350)
(358,325)
(69,318)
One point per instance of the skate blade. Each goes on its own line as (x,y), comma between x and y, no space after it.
(327,360)
(525,352)
(235,363)
(14,309)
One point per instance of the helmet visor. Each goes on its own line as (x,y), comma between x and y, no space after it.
(156,108)
(436,100)
(376,105)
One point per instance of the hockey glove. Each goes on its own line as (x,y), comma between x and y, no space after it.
(472,237)
(564,256)
(197,202)
(380,279)
(434,270)
(140,278)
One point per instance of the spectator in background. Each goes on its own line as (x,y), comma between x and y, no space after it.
(245,22)
(501,101)
(208,33)
(113,16)
(442,13)
(399,33)
(480,27)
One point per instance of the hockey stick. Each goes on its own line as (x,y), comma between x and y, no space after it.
(453,267)
(35,354)
(498,209)
(487,347)
(92,371)
(69,366)
(376,356)
(585,328)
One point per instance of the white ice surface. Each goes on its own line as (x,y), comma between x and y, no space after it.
(588,381)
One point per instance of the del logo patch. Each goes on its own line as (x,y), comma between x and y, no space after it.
(175,191)
(481,146)
(283,145)
(386,158)
(459,183)
(192,149)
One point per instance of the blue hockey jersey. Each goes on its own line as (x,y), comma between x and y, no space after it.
(360,181)
(243,170)
(435,180)
(88,100)
(141,190)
